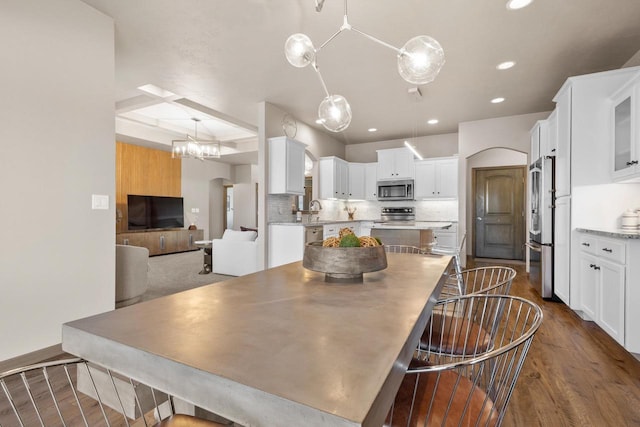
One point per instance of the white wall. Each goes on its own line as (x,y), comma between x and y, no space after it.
(319,144)
(510,132)
(444,145)
(244,188)
(57,260)
(200,182)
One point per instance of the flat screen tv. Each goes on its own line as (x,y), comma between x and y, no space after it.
(147,212)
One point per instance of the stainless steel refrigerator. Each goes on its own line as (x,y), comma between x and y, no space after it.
(541,242)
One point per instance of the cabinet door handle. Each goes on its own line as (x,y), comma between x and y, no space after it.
(553,150)
(607,250)
(591,265)
(632,162)
(585,244)
(595,267)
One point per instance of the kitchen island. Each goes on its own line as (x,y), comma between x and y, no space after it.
(277,347)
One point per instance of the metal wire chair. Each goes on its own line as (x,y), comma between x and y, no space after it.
(441,388)
(488,280)
(495,280)
(74,392)
(453,286)
(403,249)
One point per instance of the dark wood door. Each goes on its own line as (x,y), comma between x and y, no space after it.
(499,212)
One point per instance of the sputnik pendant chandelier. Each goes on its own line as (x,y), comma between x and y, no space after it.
(419,62)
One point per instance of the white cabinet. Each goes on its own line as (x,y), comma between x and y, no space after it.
(542,143)
(395,163)
(551,145)
(436,178)
(562,250)
(588,279)
(534,135)
(610,313)
(563,142)
(357,181)
(603,283)
(371,181)
(625,135)
(286,166)
(286,244)
(334,178)
(446,238)
(333,230)
(365,228)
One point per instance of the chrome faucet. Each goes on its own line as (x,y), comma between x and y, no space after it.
(314,207)
(312,204)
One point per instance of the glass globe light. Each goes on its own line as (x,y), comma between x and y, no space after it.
(299,50)
(335,113)
(420,60)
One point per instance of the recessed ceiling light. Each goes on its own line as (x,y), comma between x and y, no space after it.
(433,121)
(372,130)
(518,4)
(497,100)
(505,65)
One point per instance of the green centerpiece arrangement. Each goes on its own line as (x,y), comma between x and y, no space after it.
(346,257)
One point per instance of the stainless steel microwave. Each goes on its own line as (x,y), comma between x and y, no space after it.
(395,190)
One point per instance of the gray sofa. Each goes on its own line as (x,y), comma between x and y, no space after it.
(132,267)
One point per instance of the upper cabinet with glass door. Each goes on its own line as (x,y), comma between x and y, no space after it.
(625,118)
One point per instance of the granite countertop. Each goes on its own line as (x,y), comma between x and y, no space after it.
(612,232)
(317,223)
(417,225)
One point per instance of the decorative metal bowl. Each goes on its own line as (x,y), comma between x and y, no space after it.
(344,264)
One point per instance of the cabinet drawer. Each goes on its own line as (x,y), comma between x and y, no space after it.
(588,244)
(331,230)
(613,250)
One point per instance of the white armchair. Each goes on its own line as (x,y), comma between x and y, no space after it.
(236,254)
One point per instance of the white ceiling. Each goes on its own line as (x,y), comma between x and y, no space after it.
(224,57)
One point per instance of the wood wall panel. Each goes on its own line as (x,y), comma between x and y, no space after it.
(141,170)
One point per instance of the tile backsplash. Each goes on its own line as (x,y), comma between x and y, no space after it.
(280,209)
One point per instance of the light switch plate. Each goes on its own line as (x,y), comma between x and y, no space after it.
(99,201)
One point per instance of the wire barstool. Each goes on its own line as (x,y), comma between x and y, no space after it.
(442,388)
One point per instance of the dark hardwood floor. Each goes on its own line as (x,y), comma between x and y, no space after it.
(575,374)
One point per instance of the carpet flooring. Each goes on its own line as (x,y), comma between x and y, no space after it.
(169,274)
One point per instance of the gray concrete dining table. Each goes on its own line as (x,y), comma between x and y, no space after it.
(280,347)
